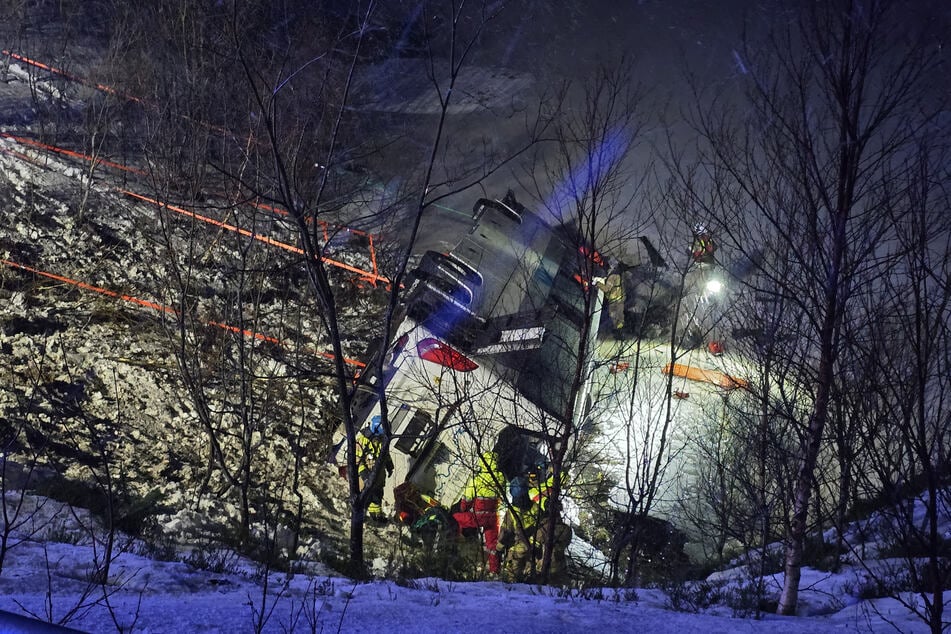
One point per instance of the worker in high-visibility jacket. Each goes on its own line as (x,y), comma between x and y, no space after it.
(479,506)
(613,288)
(540,492)
(516,542)
(369,448)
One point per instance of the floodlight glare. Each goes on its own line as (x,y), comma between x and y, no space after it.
(714,286)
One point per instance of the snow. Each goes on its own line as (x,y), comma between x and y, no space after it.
(188,585)
(48,571)
(49,574)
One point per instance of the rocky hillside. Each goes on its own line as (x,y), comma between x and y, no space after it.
(164,363)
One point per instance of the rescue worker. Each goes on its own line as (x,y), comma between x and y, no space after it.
(369,448)
(703,248)
(543,506)
(516,542)
(479,506)
(613,288)
(559,551)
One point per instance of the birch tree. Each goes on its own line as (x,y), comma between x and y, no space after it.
(291,133)
(587,181)
(805,164)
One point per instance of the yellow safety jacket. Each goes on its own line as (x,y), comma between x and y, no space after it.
(368,452)
(488,481)
(702,248)
(613,288)
(540,492)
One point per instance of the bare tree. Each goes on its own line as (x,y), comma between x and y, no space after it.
(21,453)
(290,136)
(836,97)
(909,348)
(586,180)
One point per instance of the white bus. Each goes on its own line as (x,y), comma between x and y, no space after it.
(486,353)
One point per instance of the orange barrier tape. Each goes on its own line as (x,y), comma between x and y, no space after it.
(21,156)
(89,287)
(102,87)
(70,77)
(325,227)
(162,308)
(372,277)
(368,275)
(65,152)
(707,376)
(217,223)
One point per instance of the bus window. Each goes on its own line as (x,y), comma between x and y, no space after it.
(416,435)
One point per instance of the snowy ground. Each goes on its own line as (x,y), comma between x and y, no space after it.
(49,571)
(49,574)
(51,580)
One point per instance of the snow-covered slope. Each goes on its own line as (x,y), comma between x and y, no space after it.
(49,575)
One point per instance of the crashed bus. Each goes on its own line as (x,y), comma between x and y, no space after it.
(488,345)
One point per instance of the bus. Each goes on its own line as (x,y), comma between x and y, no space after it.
(486,351)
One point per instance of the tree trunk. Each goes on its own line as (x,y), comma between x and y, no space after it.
(812,442)
(356,539)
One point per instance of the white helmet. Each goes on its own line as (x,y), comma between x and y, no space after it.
(699,228)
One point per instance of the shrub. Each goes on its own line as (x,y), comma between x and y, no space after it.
(748,600)
(821,555)
(212,559)
(876,587)
(693,596)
